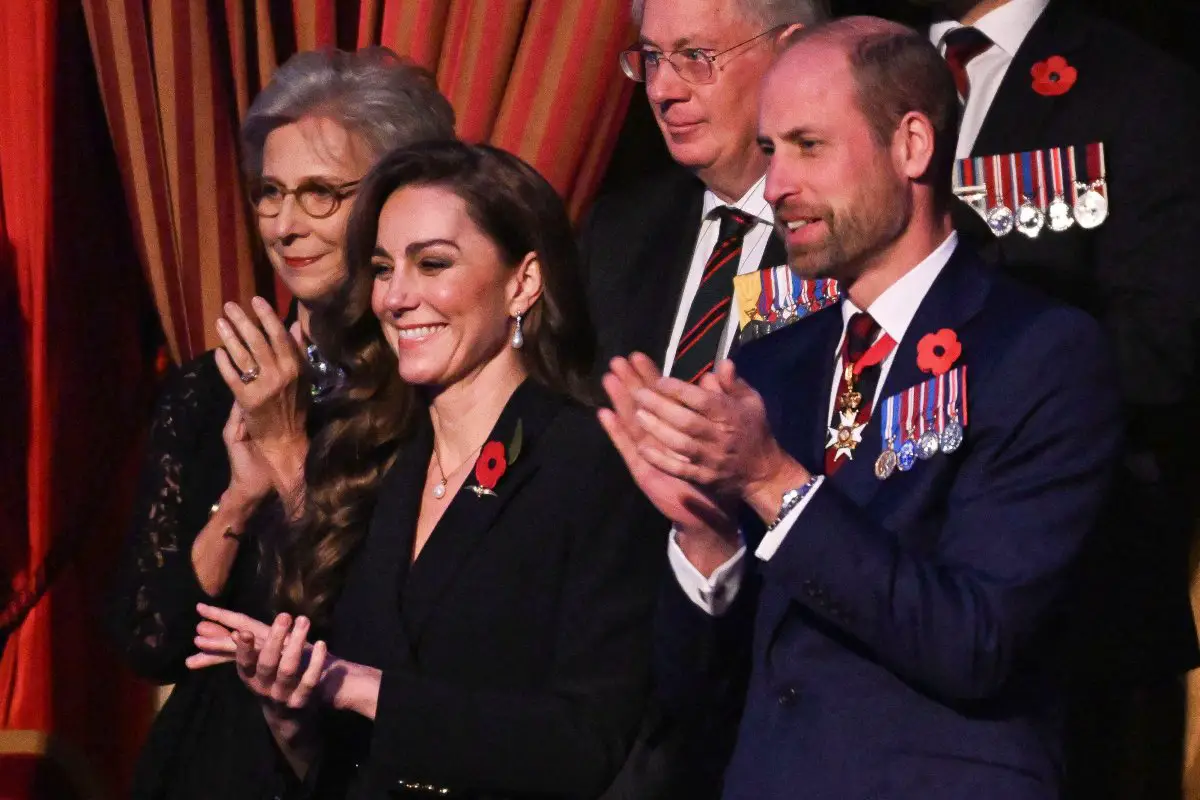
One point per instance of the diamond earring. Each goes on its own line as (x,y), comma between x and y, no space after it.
(518,338)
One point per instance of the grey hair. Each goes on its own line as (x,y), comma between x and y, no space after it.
(384,101)
(768,13)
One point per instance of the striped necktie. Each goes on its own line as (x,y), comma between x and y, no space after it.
(701,339)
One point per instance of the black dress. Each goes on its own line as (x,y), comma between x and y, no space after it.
(516,648)
(210,739)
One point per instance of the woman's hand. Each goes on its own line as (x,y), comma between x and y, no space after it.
(276,662)
(251,478)
(224,637)
(263,368)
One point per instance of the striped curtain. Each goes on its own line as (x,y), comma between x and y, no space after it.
(535,77)
(75,383)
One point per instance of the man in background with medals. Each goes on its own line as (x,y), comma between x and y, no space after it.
(1077,174)
(661,256)
(878,514)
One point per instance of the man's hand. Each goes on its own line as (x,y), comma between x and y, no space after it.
(714,435)
(686,506)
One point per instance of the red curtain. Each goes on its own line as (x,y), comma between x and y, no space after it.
(536,77)
(72,316)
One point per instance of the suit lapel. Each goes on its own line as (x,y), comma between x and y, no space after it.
(1017,116)
(954,298)
(668,261)
(802,410)
(775,253)
(470,516)
(382,563)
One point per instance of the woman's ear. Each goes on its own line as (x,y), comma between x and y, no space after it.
(525,286)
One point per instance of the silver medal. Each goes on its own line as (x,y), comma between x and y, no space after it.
(952,436)
(1030,219)
(1001,220)
(928,445)
(1091,208)
(1060,217)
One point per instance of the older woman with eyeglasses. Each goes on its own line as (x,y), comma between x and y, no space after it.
(230,432)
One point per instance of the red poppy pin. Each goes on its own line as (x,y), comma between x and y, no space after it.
(937,352)
(494,460)
(1053,77)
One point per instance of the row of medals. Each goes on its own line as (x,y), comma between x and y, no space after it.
(924,447)
(1090,210)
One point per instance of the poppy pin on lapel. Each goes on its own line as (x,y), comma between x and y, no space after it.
(1053,77)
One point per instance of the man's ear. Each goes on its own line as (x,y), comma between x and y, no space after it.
(913,145)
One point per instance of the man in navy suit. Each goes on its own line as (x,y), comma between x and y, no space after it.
(878,513)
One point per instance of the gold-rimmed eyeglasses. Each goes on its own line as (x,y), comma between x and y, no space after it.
(317,198)
(696,65)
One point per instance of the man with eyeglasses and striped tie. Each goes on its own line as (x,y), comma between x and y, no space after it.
(1077,175)
(661,256)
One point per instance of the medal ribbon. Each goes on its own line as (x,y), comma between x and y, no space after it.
(1056,169)
(1028,187)
(941,403)
(996,185)
(891,427)
(875,354)
(1074,173)
(928,396)
(1013,188)
(1040,177)
(1095,167)
(957,383)
(910,404)
(764,298)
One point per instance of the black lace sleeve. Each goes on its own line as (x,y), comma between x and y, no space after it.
(152,613)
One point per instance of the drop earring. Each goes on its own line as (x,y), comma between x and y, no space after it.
(518,338)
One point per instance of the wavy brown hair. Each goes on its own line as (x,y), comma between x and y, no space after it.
(375,413)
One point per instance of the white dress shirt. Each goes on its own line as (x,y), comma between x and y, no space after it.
(754,205)
(1007,26)
(894,311)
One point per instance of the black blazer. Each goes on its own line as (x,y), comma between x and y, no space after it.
(1137,273)
(637,245)
(516,648)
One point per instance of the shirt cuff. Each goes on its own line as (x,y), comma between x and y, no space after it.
(715,593)
(774,537)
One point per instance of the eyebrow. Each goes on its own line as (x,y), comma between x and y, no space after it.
(417,247)
(796,135)
(379,252)
(678,44)
(305,179)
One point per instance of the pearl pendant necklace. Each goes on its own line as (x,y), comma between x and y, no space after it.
(439,489)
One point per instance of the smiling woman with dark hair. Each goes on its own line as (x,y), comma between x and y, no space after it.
(470,537)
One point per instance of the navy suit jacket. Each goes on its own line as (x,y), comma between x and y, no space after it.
(900,642)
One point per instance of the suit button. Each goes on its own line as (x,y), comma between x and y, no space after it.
(787,698)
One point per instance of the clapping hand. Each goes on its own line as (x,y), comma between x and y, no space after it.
(714,435)
(684,504)
(263,367)
(276,662)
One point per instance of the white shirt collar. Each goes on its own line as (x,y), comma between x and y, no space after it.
(1007,26)
(752,202)
(895,308)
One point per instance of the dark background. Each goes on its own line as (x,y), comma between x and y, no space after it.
(1169,24)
